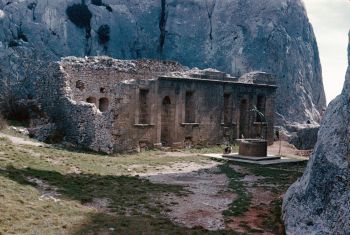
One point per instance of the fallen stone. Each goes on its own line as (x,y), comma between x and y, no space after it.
(305,138)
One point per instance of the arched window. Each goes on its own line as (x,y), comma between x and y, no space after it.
(91,100)
(103,104)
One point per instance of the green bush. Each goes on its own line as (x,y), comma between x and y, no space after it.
(100,3)
(97,2)
(22,36)
(103,33)
(13,43)
(109,8)
(79,15)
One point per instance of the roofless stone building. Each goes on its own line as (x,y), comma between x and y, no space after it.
(113,105)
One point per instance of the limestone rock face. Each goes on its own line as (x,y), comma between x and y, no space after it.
(319,202)
(234,36)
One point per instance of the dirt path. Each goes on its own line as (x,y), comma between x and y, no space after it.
(287,150)
(207,200)
(175,168)
(21,141)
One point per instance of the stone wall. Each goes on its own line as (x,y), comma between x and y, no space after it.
(118,106)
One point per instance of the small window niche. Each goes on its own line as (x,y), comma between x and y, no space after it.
(190,109)
(144,116)
(102,90)
(103,104)
(92,100)
(80,85)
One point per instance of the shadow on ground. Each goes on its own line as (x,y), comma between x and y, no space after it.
(133,203)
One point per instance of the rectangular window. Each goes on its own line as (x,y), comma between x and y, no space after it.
(190,108)
(144,107)
(227,109)
(261,105)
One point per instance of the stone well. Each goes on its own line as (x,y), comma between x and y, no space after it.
(253,147)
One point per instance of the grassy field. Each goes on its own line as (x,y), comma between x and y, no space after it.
(46,190)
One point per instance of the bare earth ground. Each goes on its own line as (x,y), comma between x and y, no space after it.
(206,202)
(287,150)
(46,190)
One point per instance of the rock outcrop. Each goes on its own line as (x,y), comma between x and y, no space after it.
(319,202)
(303,136)
(234,36)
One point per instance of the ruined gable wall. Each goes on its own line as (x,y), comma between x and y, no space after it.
(116,124)
(78,121)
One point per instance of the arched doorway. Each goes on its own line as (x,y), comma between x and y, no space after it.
(243,119)
(103,104)
(167,122)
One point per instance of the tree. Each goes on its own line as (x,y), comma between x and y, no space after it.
(262,118)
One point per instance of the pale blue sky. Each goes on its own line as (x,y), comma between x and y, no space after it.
(331,23)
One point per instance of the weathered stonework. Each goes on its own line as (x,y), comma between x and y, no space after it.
(112,105)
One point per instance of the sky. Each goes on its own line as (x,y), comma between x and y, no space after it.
(331,23)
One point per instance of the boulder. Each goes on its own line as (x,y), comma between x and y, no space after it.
(319,202)
(305,138)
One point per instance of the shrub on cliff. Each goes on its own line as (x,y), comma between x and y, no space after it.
(97,2)
(79,15)
(103,33)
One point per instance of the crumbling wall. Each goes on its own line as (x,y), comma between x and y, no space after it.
(79,122)
(100,103)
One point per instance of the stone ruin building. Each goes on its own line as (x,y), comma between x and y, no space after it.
(112,105)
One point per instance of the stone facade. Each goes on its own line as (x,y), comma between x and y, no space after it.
(112,105)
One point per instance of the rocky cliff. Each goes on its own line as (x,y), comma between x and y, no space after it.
(319,202)
(235,36)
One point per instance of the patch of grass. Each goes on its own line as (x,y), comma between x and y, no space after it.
(134,203)
(242,203)
(212,149)
(110,224)
(276,179)
(63,161)
(278,176)
(125,192)
(134,207)
(23,213)
(274,220)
